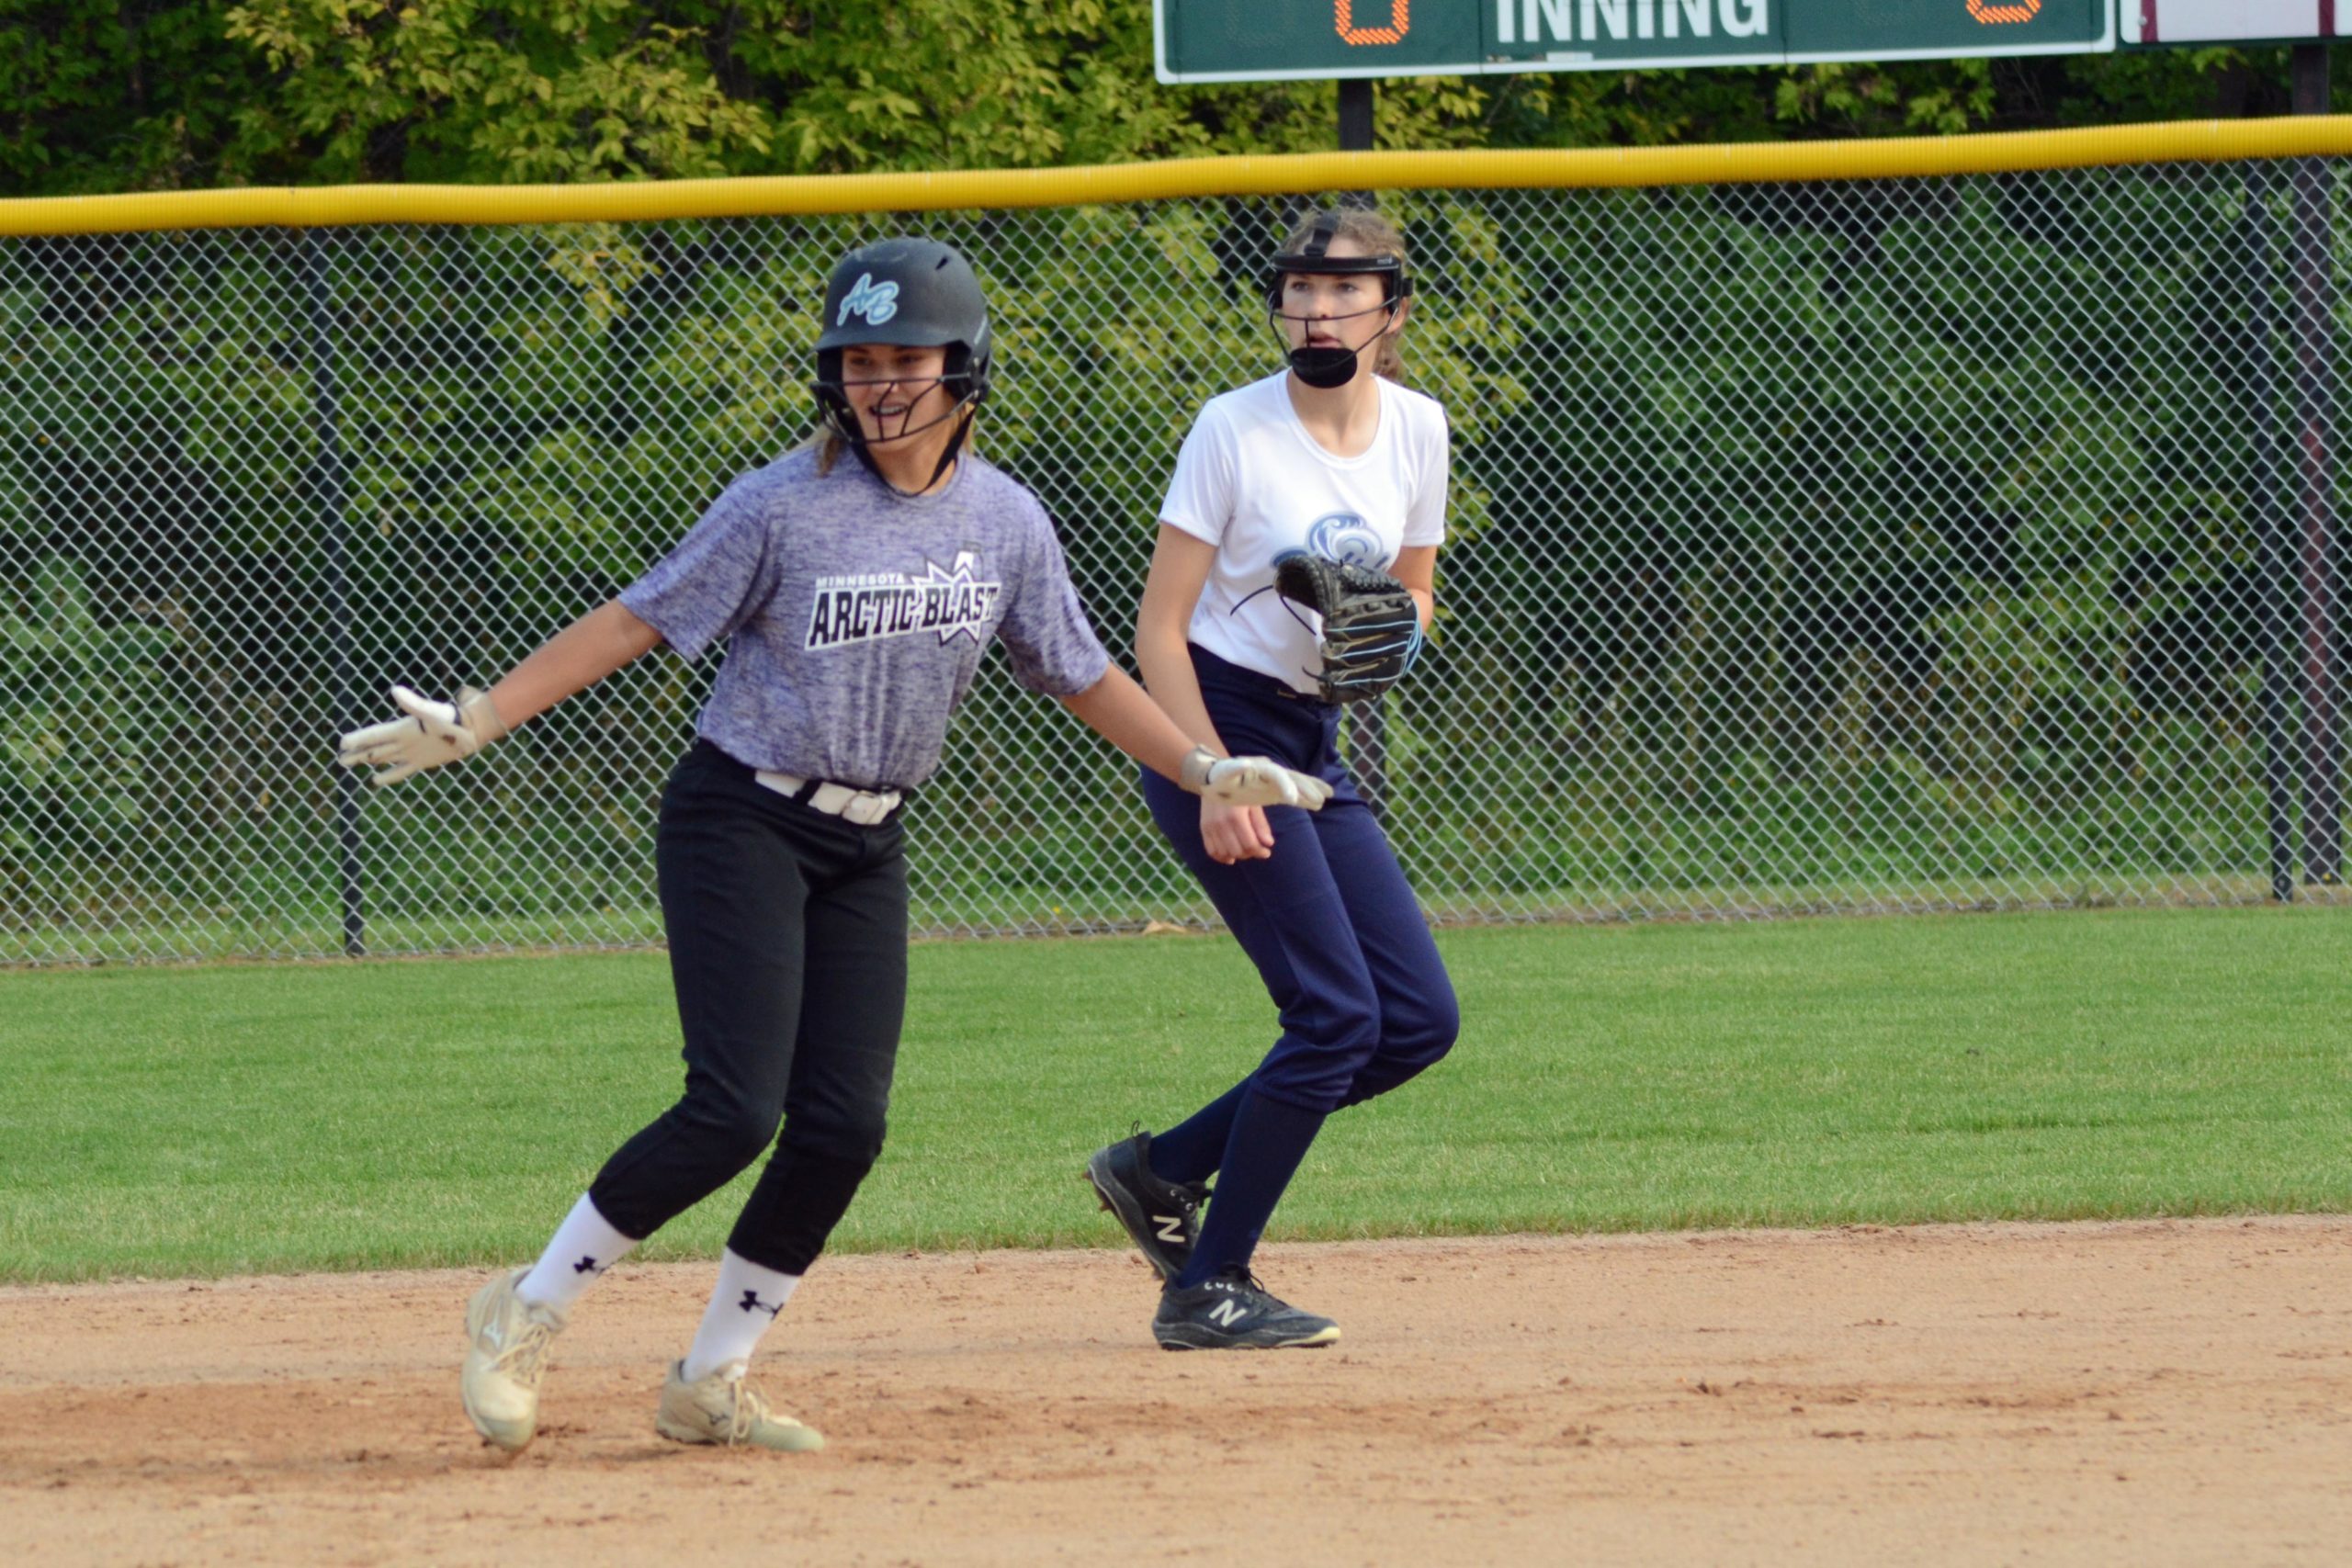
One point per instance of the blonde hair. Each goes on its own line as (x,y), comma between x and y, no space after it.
(827,443)
(1374,236)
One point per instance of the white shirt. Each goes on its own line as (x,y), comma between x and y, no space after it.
(1252,481)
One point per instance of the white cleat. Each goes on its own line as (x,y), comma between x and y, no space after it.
(506,1356)
(724,1409)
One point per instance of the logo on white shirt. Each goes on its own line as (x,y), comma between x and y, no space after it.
(877,302)
(1344,538)
(870,607)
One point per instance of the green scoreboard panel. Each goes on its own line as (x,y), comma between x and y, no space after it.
(1247,40)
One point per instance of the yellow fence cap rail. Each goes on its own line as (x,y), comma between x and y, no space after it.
(641,201)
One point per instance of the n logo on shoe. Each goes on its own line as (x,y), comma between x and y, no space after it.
(1171,1227)
(1224,1314)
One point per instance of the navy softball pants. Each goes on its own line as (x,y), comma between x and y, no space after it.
(1329,919)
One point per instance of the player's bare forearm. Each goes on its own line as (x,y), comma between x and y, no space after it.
(1176,690)
(1180,566)
(576,658)
(1117,709)
(1417,570)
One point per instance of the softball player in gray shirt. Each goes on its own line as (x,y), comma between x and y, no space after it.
(854,600)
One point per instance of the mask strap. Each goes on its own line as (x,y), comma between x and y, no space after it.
(954,443)
(1319,238)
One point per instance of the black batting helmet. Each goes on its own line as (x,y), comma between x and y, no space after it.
(910,293)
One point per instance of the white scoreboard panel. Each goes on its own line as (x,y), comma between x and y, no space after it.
(2232,21)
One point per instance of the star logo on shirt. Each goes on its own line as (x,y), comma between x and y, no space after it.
(954,604)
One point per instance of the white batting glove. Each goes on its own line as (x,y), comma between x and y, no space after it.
(1251,781)
(433,733)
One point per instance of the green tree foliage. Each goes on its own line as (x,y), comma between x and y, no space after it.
(458,90)
(126,97)
(177,93)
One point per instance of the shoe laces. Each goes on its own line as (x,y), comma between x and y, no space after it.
(746,1409)
(523,1356)
(1242,1279)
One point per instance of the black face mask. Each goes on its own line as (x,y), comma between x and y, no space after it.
(1325,367)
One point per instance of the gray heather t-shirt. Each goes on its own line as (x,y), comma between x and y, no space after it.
(854,616)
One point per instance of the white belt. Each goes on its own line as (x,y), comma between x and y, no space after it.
(862,806)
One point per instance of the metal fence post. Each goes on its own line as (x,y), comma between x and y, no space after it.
(335,525)
(2265,487)
(2314,397)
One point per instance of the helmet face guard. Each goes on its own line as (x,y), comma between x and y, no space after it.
(830,390)
(1327,368)
(904,293)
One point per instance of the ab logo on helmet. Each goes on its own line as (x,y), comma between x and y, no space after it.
(877,302)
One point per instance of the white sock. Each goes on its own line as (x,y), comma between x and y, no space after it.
(585,1245)
(745,1302)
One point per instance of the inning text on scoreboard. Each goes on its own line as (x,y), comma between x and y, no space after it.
(1224,40)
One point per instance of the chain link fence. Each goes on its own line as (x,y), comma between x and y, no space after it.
(1892,545)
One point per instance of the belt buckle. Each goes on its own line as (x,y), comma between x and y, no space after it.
(862,806)
(866,810)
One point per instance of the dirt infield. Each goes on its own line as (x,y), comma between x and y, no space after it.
(2173,1392)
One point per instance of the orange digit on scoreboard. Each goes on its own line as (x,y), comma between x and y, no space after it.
(1400,22)
(1993,15)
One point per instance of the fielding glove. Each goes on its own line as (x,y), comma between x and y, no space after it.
(1368,628)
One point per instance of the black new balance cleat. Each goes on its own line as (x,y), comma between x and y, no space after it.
(1233,1312)
(1162,1216)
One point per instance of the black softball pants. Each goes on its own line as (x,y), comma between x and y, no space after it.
(788,935)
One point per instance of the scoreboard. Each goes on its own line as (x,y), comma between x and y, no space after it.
(1245,41)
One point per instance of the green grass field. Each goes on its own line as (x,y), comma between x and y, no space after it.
(213,1120)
